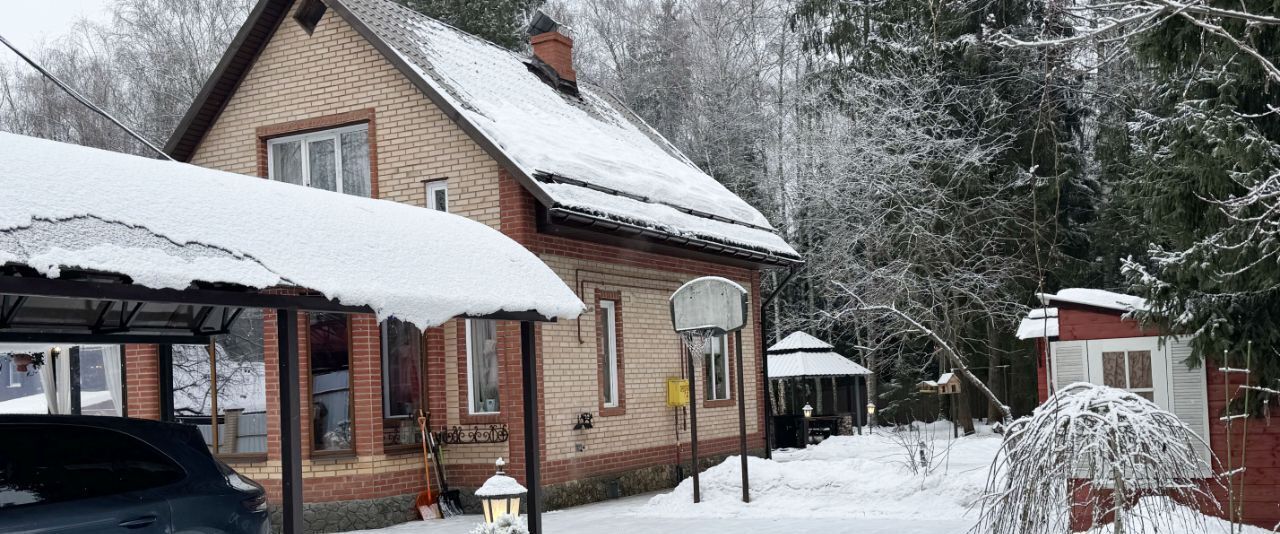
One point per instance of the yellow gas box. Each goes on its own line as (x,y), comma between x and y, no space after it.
(677,392)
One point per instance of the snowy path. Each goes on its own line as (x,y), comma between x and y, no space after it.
(852,484)
(846,485)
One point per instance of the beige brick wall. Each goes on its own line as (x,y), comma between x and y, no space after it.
(300,76)
(651,352)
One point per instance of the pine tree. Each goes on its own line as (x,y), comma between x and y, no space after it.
(499,21)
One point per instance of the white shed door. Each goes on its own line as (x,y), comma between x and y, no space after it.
(1136,364)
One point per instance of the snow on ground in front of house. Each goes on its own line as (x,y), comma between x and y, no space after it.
(846,485)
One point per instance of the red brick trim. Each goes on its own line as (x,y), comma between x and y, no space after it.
(731,363)
(616,298)
(325,122)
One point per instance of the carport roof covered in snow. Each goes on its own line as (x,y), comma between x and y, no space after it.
(117,224)
(101,247)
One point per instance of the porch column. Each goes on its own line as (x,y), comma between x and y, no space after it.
(290,421)
(532,456)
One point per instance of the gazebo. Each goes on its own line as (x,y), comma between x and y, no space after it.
(101,247)
(804,370)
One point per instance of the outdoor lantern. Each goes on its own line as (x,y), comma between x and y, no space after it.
(871,408)
(500,495)
(808,410)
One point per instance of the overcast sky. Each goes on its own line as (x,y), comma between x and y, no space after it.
(25,22)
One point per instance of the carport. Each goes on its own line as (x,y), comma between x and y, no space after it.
(101,247)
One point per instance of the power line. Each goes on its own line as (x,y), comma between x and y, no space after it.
(80,98)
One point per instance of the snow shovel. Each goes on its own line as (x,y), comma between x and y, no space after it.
(426,503)
(450,502)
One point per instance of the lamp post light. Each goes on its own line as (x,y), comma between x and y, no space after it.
(500,495)
(808,414)
(871,414)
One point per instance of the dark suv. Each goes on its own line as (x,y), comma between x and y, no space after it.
(62,473)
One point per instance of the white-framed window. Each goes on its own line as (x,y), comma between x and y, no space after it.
(15,376)
(1138,365)
(609,373)
(438,195)
(333,160)
(715,369)
(482,366)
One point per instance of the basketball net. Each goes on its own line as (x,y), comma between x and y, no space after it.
(697,341)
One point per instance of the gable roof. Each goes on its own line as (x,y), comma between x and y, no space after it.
(589,160)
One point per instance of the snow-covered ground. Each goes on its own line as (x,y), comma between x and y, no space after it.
(847,484)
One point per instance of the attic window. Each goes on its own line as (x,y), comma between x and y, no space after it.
(309,14)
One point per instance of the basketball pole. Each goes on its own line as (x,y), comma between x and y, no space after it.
(693,427)
(742,418)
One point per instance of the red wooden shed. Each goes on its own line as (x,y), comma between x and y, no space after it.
(1087,335)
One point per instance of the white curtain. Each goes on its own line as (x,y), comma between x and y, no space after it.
(47,382)
(63,368)
(111,368)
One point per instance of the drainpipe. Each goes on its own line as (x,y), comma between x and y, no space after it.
(764,337)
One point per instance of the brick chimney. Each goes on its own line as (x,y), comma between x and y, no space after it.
(556,50)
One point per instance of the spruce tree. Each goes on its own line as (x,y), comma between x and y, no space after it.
(499,21)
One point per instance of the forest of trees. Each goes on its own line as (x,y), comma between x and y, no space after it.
(937,163)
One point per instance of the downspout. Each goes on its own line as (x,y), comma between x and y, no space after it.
(764,362)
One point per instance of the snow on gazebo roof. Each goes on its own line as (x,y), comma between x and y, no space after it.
(799,341)
(801,354)
(170,225)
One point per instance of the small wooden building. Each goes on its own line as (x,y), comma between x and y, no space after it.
(804,370)
(1086,335)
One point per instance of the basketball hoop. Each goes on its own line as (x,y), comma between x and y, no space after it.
(703,309)
(697,340)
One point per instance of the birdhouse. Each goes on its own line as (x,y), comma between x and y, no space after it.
(948,384)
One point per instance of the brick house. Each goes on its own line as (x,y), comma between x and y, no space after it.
(1090,339)
(365,97)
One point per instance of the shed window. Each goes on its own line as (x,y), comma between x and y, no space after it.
(1129,370)
(482,366)
(715,370)
(333,160)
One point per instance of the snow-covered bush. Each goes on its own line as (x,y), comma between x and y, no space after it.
(506,524)
(1115,445)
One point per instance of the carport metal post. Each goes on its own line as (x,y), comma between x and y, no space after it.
(532,456)
(290,421)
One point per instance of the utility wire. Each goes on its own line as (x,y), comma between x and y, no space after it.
(80,98)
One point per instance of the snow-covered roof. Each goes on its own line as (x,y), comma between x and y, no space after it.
(1095,297)
(946,378)
(168,225)
(589,154)
(800,354)
(1040,322)
(797,341)
(500,485)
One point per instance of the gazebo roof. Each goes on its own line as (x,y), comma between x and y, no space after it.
(800,341)
(801,354)
(185,229)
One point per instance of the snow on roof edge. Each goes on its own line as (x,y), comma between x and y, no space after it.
(200,224)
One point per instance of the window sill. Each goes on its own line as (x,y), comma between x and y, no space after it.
(333,455)
(719,403)
(613,411)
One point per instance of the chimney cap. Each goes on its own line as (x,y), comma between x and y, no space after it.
(542,23)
